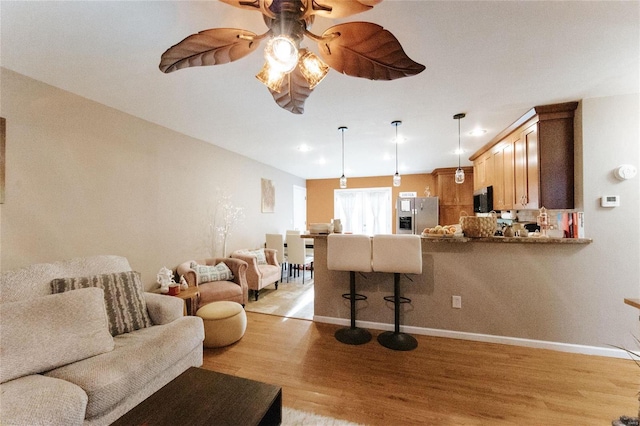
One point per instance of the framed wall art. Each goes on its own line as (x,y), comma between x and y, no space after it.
(268,196)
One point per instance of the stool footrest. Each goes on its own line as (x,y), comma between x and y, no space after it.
(400,299)
(356,296)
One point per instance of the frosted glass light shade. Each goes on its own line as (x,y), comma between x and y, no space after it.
(397,180)
(281,53)
(343,182)
(312,68)
(271,78)
(459,175)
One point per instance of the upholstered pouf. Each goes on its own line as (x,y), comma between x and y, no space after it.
(224,323)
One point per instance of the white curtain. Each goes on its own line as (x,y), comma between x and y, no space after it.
(364,211)
(378,200)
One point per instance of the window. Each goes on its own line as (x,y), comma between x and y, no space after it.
(364,210)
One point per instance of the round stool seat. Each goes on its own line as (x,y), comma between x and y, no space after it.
(224,323)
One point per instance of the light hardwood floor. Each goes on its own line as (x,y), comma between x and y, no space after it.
(442,382)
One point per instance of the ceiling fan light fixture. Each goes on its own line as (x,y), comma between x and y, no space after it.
(312,68)
(271,77)
(281,53)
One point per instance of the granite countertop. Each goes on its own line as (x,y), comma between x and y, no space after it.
(503,240)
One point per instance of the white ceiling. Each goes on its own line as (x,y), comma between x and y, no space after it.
(492,60)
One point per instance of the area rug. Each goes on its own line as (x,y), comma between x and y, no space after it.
(291,299)
(291,417)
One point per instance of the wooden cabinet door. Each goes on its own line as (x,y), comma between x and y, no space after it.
(530,136)
(507,175)
(498,180)
(447,189)
(526,175)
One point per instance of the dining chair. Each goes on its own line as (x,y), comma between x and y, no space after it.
(296,254)
(276,242)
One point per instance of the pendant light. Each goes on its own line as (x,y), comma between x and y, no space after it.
(397,180)
(343,179)
(459,172)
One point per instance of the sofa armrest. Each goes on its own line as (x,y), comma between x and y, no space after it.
(272,256)
(189,274)
(163,309)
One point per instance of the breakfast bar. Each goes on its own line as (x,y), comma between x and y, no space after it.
(488,279)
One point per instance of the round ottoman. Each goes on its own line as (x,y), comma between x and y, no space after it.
(224,323)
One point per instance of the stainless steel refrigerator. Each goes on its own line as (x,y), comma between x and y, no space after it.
(415,214)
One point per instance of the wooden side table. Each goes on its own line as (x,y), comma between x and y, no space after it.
(191,297)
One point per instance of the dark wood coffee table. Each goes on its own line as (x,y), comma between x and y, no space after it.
(203,397)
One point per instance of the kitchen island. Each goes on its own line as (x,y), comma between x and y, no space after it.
(511,288)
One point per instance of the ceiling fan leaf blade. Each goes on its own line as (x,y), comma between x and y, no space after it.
(339,8)
(294,92)
(366,50)
(246,4)
(209,47)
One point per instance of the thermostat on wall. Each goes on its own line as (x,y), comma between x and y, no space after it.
(610,201)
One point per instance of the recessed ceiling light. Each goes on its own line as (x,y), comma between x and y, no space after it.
(477,132)
(459,151)
(322,161)
(304,148)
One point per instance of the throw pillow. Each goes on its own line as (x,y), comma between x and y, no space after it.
(123,297)
(42,333)
(205,273)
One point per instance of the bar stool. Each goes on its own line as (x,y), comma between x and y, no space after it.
(350,253)
(399,254)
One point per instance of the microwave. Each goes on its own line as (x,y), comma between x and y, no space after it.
(483,200)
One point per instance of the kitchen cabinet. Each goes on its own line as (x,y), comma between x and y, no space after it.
(503,175)
(483,171)
(453,197)
(532,160)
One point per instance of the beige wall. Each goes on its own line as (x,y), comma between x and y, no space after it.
(85,179)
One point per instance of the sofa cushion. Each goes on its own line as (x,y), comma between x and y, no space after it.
(39,400)
(50,331)
(137,359)
(123,297)
(219,272)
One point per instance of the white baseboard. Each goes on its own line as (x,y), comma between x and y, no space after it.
(504,340)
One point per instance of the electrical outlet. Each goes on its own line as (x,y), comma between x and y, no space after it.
(456,302)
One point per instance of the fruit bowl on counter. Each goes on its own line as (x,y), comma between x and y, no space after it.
(446,231)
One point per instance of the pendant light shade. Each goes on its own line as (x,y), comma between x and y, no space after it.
(459,178)
(343,179)
(397,179)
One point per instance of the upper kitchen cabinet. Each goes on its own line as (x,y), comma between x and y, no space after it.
(453,197)
(532,160)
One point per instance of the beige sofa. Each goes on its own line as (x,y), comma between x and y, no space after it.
(233,290)
(262,268)
(61,364)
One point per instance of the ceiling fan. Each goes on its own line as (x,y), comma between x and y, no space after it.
(358,49)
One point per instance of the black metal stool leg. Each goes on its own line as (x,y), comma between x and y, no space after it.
(353,335)
(395,339)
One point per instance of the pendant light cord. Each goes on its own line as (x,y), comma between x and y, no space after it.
(395,123)
(342,129)
(459,153)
